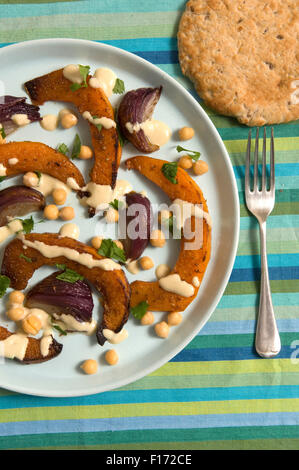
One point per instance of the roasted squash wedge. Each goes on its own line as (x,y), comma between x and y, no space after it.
(35,156)
(107,150)
(190,263)
(112,284)
(33,351)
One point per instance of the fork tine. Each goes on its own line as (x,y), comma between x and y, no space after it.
(264,186)
(272,166)
(247,168)
(256,160)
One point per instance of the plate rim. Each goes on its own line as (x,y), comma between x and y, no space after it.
(85,391)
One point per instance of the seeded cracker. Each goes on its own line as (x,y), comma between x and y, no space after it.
(243,57)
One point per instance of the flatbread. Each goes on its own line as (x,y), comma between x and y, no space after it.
(243,57)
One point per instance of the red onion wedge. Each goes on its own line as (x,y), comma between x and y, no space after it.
(137,224)
(16,201)
(56,296)
(136,107)
(10,105)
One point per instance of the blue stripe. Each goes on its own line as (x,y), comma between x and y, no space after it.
(137,44)
(87,7)
(289,325)
(249,300)
(239,132)
(254,274)
(253,261)
(281,169)
(155,396)
(159,57)
(275,221)
(144,44)
(152,422)
(225,354)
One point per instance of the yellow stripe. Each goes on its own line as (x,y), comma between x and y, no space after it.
(281,143)
(150,409)
(226,367)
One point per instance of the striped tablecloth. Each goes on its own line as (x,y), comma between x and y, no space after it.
(217,393)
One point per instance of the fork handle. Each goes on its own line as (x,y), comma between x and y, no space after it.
(267,340)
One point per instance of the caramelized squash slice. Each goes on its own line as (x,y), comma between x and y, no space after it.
(33,351)
(112,285)
(35,156)
(190,263)
(107,150)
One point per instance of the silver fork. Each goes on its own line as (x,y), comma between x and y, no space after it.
(261,203)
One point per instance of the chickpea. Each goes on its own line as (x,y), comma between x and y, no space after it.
(157,238)
(174,318)
(16,297)
(162,329)
(162,270)
(186,133)
(111,215)
(51,212)
(59,196)
(200,167)
(96,242)
(68,120)
(185,162)
(67,213)
(147,319)
(31,325)
(146,263)
(111,357)
(85,152)
(30,179)
(16,314)
(49,122)
(89,366)
(64,111)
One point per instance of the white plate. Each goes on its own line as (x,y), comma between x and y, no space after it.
(143,351)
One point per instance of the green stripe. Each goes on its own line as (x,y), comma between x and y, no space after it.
(215,380)
(281,208)
(283,144)
(249,313)
(279,240)
(13,2)
(227,341)
(262,444)
(62,440)
(126,410)
(276,247)
(283,285)
(90,26)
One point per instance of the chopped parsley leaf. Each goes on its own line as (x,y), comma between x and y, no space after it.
(63,148)
(192,153)
(119,87)
(139,310)
(4,284)
(29,260)
(28,224)
(2,133)
(76,147)
(117,205)
(58,328)
(109,249)
(68,275)
(84,71)
(169,170)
